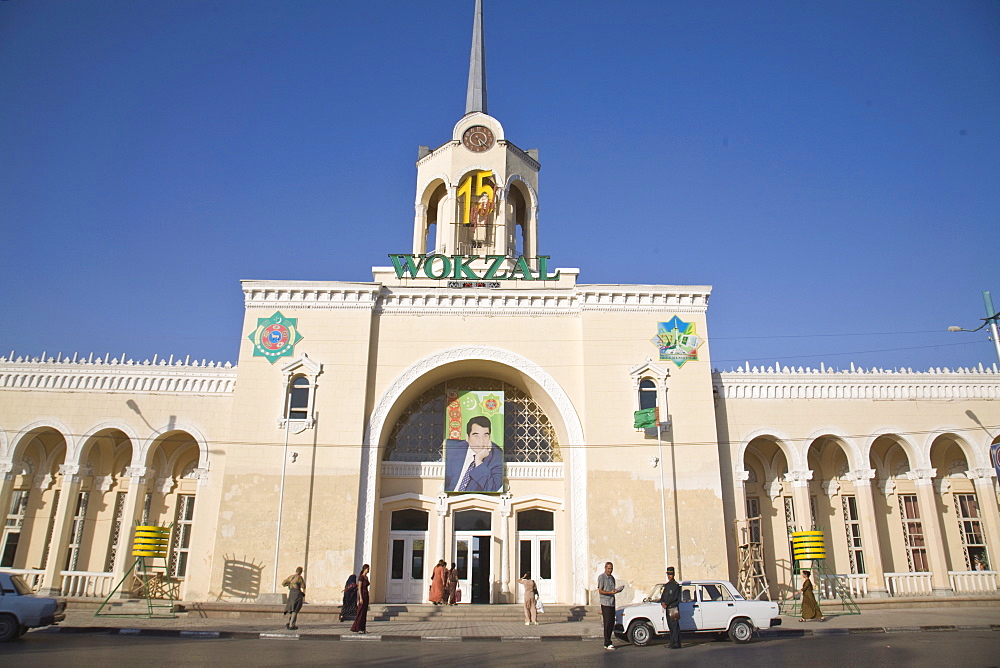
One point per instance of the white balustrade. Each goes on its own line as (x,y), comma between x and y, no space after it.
(973,582)
(35,578)
(85,584)
(855,583)
(909,584)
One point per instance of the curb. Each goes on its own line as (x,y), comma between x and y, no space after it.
(389,637)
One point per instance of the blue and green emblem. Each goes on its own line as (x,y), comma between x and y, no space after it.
(275,337)
(677,341)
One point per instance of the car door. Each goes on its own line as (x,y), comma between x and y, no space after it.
(689,604)
(716,605)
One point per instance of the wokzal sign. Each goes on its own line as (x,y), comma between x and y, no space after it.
(459,267)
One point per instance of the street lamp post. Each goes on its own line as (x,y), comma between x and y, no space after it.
(990,320)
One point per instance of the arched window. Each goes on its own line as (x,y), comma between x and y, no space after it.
(298,399)
(418,435)
(647,394)
(409,519)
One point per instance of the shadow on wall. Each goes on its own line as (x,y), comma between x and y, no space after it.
(240,579)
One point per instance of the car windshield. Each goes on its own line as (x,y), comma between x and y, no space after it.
(655,593)
(20,585)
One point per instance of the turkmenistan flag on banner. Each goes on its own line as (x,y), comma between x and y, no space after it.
(645,419)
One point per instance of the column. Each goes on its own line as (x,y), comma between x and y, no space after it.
(7,476)
(923,480)
(740,525)
(869,531)
(442,512)
(505,515)
(800,497)
(988,511)
(135,501)
(68,493)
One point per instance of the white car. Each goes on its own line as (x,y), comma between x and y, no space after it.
(707,606)
(21,610)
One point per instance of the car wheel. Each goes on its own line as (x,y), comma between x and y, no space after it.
(640,633)
(741,630)
(8,628)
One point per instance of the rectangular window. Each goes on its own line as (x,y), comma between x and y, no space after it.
(12,527)
(116,532)
(417,561)
(913,533)
(398,547)
(971,528)
(753,519)
(852,524)
(52,528)
(76,531)
(525,559)
(545,559)
(181,544)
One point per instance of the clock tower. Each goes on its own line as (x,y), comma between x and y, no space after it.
(477,194)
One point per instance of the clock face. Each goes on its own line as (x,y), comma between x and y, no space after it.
(478,138)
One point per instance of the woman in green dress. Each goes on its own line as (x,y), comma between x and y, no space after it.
(810,608)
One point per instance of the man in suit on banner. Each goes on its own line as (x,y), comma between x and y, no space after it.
(475,465)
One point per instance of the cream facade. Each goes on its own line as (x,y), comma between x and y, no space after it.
(327,451)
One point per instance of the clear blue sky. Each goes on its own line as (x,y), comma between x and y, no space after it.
(831,168)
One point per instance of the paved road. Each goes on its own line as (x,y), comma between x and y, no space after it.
(965,648)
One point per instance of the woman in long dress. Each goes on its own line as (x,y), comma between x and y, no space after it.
(437,583)
(361,621)
(349,606)
(810,608)
(452,585)
(296,596)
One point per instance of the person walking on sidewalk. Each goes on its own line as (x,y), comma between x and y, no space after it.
(670,599)
(361,621)
(349,605)
(296,597)
(438,579)
(452,588)
(607,588)
(810,608)
(530,600)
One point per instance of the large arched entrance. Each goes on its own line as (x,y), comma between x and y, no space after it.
(407,471)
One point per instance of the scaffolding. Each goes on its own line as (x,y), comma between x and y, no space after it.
(150,581)
(752,581)
(809,553)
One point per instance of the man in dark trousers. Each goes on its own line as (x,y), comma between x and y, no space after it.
(607,588)
(670,599)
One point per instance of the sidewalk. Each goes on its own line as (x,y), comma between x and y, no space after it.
(271,626)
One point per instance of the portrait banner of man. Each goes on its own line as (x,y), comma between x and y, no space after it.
(474,437)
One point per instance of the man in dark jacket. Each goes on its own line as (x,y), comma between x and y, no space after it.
(670,599)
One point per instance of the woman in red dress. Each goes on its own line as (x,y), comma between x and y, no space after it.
(361,621)
(438,580)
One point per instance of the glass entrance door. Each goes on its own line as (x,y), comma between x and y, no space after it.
(406,568)
(473,563)
(535,553)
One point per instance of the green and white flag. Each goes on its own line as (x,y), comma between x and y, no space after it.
(645,419)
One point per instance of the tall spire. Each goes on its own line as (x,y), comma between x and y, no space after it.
(475,98)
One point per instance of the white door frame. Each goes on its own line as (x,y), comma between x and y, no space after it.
(465,584)
(546,586)
(407,589)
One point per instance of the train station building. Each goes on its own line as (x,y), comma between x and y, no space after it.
(475,402)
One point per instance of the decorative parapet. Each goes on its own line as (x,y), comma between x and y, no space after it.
(639,298)
(857,383)
(324,295)
(555,301)
(104,374)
